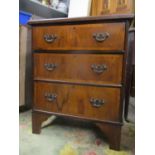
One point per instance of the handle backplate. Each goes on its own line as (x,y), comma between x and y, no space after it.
(50,66)
(50,97)
(100,37)
(96,102)
(98,68)
(49,38)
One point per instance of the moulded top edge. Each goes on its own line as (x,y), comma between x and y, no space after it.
(82,19)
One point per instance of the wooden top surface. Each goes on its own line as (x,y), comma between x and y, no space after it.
(82,19)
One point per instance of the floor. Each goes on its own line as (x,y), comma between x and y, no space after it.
(69,137)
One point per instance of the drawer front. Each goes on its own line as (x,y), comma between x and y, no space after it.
(87,68)
(106,36)
(89,102)
(50,37)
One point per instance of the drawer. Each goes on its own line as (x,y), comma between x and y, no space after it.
(86,68)
(85,101)
(106,36)
(49,37)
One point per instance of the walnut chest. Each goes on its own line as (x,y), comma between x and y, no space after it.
(79,71)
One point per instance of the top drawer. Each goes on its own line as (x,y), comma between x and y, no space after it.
(107,36)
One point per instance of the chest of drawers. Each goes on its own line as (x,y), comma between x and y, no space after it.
(79,71)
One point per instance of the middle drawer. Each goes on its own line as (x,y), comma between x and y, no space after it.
(89,68)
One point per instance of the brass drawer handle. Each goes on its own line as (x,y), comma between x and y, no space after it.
(98,68)
(50,67)
(50,97)
(49,38)
(100,37)
(97,102)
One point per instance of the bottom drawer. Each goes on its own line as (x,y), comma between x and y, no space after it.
(84,101)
